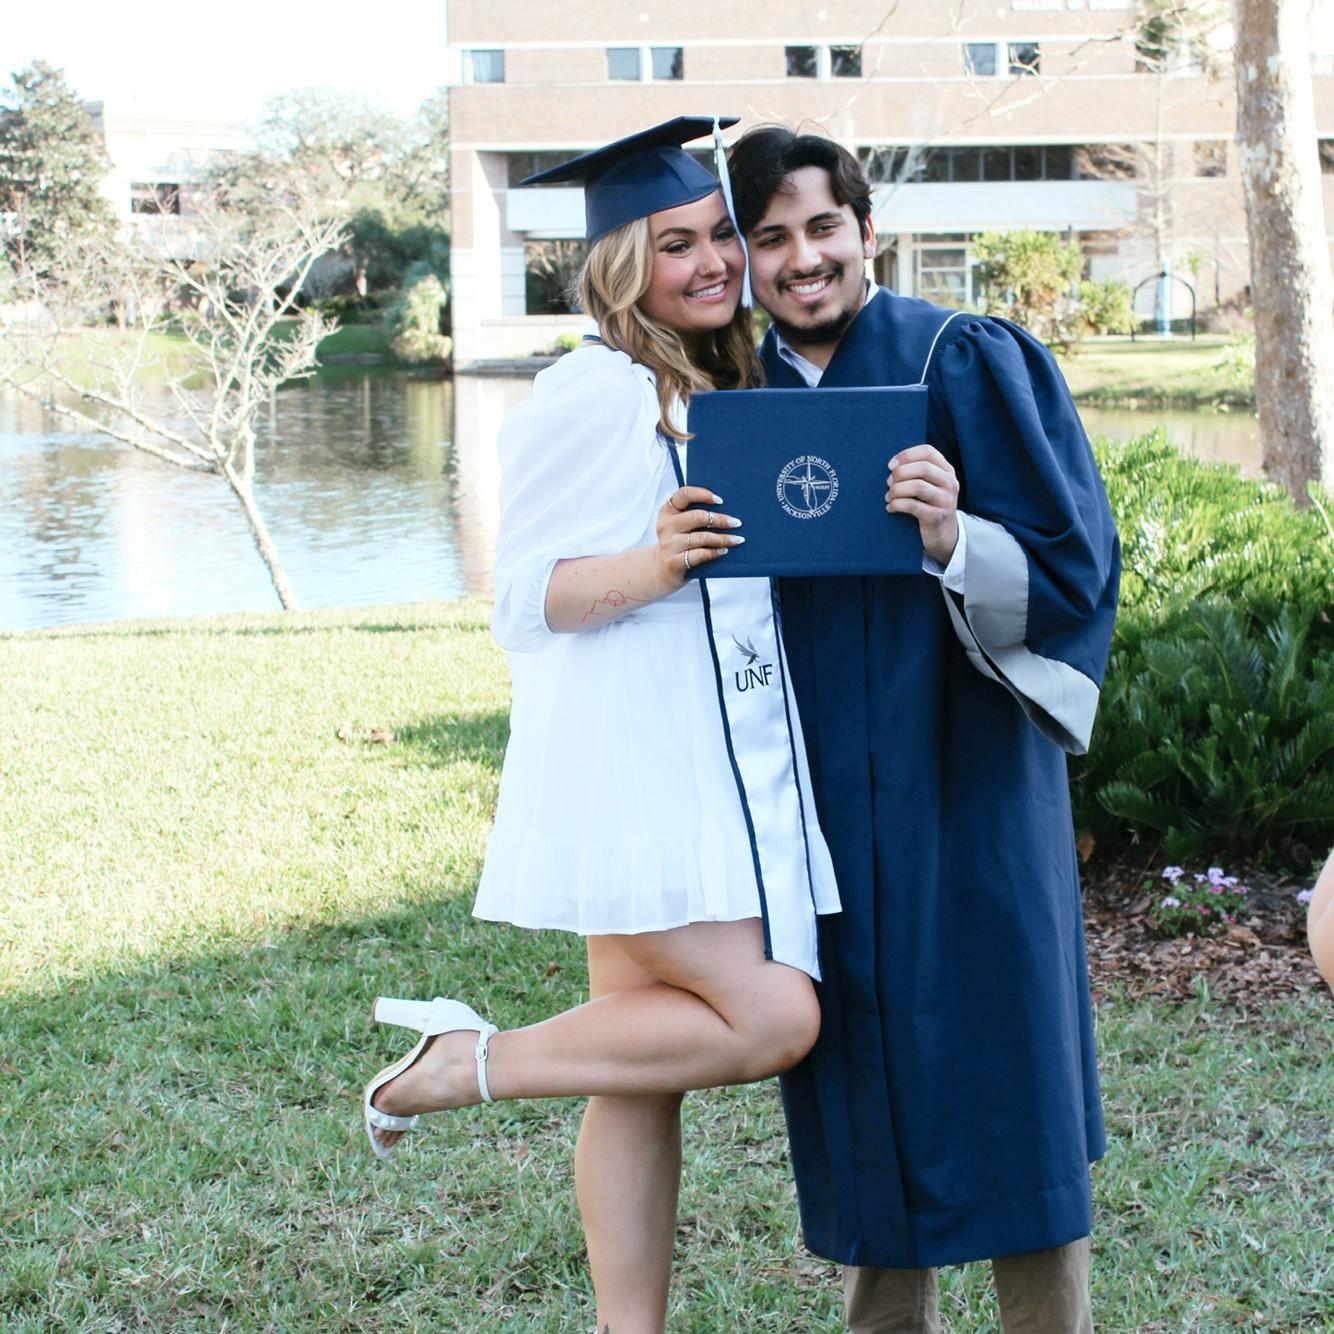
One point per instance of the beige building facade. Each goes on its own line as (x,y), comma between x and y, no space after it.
(970,116)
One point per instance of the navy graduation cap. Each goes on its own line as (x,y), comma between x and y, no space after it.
(643,173)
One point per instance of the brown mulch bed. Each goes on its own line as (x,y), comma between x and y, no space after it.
(1263,958)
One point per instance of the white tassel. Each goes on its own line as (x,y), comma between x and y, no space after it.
(725,180)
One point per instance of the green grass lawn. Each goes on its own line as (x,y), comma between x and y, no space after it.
(211,868)
(169,355)
(361,340)
(1148,372)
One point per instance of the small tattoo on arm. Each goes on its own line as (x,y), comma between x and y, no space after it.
(612,600)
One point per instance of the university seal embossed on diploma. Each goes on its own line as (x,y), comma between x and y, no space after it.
(807,487)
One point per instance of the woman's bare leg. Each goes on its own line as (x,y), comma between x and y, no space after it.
(627,1176)
(719,1013)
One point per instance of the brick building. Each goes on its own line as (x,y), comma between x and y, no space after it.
(970,116)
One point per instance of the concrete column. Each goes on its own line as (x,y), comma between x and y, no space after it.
(486,276)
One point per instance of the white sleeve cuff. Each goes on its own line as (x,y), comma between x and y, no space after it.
(952,575)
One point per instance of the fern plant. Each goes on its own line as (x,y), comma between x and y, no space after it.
(1218,738)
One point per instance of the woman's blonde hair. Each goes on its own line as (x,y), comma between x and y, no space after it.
(614,279)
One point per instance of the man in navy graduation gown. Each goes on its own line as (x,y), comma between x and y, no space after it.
(950,1110)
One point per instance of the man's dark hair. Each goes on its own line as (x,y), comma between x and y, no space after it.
(762,157)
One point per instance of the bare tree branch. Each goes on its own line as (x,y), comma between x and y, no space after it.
(234,298)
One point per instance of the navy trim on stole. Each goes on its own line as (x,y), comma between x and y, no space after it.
(727,734)
(791,737)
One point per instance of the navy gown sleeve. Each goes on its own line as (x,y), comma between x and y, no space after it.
(1042,560)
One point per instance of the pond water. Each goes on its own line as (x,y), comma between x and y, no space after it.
(378,487)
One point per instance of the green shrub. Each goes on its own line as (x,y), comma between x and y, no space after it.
(1216,729)
(1105,306)
(1192,530)
(1237,362)
(414,321)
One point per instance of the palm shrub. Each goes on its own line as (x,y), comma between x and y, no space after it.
(1217,737)
(1216,729)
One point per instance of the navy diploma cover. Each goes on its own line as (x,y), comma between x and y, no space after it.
(805,471)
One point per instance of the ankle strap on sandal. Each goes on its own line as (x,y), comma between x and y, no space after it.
(483,1041)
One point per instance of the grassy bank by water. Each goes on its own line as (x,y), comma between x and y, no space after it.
(1176,373)
(1164,373)
(170,355)
(220,839)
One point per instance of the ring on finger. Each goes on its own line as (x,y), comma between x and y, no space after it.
(685,556)
(713,518)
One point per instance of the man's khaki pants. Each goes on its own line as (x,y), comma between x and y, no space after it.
(1046,1292)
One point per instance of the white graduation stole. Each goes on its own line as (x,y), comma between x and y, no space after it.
(750,672)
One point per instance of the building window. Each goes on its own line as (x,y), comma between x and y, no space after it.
(623,62)
(1058,162)
(1107,162)
(1211,157)
(943,272)
(551,275)
(965,164)
(157,197)
(979,58)
(973,162)
(1028,162)
(803,62)
(519,166)
(668,62)
(997,164)
(845,62)
(488,66)
(1025,58)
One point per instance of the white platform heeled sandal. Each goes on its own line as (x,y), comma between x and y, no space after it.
(431,1019)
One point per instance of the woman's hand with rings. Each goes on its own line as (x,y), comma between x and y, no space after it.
(689,538)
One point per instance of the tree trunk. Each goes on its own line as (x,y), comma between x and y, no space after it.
(263,542)
(1292,289)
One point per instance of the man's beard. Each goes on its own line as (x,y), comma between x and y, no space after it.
(827,331)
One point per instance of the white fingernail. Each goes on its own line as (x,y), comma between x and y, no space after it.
(715,500)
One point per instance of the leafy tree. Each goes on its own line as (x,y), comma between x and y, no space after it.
(385,178)
(1028,276)
(51,164)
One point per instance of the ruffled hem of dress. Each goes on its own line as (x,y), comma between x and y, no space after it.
(624,889)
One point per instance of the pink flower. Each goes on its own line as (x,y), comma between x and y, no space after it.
(1173,873)
(1215,874)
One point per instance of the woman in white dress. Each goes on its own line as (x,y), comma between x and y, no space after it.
(654,795)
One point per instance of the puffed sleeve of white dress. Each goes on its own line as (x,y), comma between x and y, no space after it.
(580,474)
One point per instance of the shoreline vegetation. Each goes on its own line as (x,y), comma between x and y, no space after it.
(1147,373)
(222,837)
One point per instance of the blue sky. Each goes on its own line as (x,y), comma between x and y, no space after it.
(154,58)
